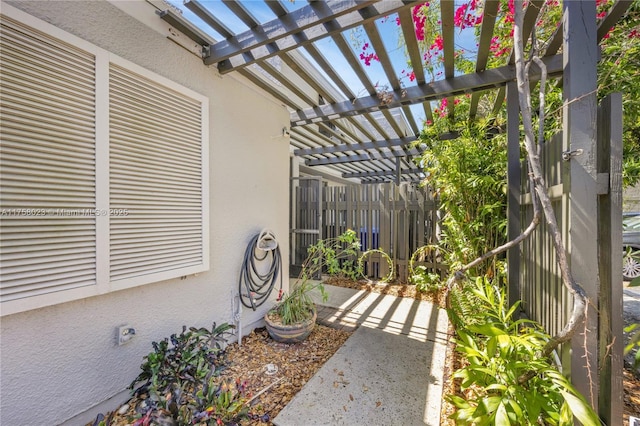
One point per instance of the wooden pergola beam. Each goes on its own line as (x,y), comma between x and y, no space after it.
(381,173)
(297,29)
(356,146)
(469,83)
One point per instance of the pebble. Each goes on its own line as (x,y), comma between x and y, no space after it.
(123,410)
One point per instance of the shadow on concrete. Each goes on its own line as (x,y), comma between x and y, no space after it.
(390,371)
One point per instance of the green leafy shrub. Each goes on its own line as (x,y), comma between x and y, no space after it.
(426,281)
(468,175)
(339,256)
(427,276)
(180,379)
(500,350)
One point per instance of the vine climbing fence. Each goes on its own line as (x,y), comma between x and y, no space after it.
(397,219)
(586,196)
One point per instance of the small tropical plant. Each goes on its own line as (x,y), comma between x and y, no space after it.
(179,379)
(501,351)
(426,281)
(427,278)
(225,402)
(298,306)
(339,257)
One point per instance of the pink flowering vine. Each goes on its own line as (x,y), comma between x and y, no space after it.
(419,20)
(367,57)
(463,17)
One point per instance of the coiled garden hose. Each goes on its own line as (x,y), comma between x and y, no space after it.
(254,287)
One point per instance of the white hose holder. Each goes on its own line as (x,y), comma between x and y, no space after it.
(267,241)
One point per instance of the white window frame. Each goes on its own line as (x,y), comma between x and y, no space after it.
(102,163)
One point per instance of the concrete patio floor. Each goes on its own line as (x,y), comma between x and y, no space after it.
(389,372)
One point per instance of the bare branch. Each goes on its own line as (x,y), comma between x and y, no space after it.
(539,195)
(541,92)
(580,297)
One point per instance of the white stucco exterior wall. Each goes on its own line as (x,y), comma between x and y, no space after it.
(60,361)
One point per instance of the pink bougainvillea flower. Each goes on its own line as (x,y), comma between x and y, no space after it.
(438,43)
(419,20)
(458,18)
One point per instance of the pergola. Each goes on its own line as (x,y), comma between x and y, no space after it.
(357,134)
(369,136)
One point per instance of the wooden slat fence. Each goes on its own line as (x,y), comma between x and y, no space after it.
(544,297)
(395,219)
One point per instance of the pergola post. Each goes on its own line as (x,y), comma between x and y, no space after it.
(580,53)
(610,308)
(514,188)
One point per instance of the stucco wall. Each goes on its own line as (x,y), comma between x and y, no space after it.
(59,361)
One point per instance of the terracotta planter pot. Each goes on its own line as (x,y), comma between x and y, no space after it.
(292,333)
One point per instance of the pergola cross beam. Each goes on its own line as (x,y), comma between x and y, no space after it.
(385,155)
(356,146)
(468,83)
(381,173)
(295,29)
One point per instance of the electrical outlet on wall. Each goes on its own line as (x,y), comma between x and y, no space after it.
(125,334)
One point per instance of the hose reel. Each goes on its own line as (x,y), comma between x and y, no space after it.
(262,254)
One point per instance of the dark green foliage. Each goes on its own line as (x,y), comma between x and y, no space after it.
(180,380)
(468,174)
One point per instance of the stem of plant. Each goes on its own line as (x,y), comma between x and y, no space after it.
(580,299)
(540,198)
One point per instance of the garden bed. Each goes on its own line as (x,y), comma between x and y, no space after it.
(273,372)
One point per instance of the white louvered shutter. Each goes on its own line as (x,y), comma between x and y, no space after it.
(47,160)
(96,194)
(155,175)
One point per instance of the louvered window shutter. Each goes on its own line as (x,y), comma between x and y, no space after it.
(47,155)
(155,175)
(103,170)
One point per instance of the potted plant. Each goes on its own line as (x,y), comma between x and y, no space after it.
(293,318)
